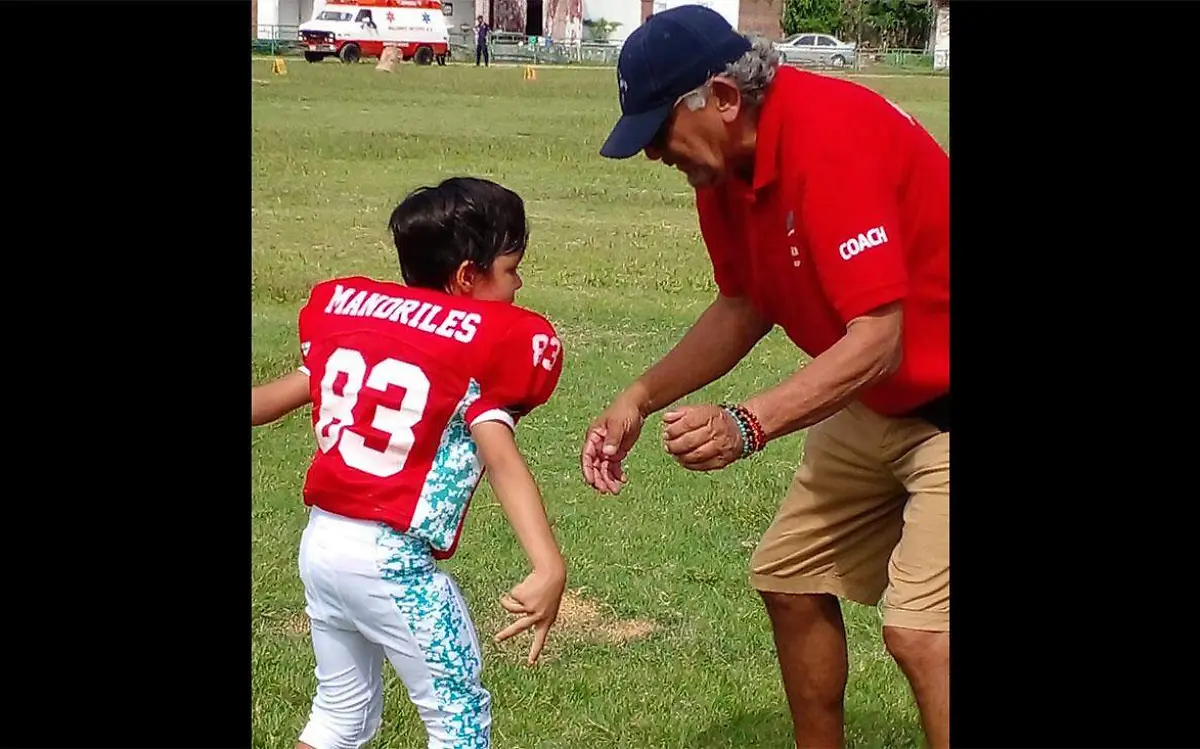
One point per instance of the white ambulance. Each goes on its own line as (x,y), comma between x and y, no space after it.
(353,29)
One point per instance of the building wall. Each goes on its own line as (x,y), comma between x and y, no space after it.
(757,16)
(288,13)
(267,17)
(626,12)
(564,19)
(761,17)
(729,9)
(505,15)
(941,37)
(462,14)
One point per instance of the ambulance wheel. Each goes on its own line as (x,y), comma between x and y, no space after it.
(424,56)
(349,53)
(441,59)
(314,56)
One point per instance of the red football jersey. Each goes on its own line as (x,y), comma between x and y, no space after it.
(849,209)
(398,376)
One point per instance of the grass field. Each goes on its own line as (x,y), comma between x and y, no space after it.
(662,643)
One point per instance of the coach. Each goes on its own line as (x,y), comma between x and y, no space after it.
(825,210)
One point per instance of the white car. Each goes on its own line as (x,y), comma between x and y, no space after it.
(816,49)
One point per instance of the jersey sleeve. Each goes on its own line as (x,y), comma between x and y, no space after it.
(308,322)
(716,232)
(523,371)
(850,217)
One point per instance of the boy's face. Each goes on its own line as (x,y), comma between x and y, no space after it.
(500,284)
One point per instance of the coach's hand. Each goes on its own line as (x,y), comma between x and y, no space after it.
(702,438)
(536,601)
(609,439)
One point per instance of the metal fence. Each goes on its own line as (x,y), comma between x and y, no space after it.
(507,47)
(276,40)
(518,48)
(884,60)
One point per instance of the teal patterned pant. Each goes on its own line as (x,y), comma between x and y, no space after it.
(374,595)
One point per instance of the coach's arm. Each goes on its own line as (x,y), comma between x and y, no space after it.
(705,437)
(870,351)
(721,337)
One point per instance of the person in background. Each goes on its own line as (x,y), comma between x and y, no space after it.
(482,29)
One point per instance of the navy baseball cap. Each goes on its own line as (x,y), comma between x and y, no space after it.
(670,54)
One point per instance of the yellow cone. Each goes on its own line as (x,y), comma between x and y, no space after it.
(279,66)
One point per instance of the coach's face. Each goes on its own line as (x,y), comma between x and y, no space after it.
(698,142)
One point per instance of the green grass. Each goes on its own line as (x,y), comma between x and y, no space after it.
(616,262)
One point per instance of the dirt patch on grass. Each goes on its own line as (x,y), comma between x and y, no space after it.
(578,617)
(295,623)
(581,617)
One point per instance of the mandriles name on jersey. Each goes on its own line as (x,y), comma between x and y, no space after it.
(399,376)
(428,317)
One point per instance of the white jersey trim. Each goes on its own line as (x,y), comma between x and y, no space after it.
(495,414)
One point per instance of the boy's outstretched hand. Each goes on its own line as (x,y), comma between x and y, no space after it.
(535,600)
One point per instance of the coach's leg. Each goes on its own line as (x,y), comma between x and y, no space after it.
(810,640)
(924,657)
(830,538)
(916,607)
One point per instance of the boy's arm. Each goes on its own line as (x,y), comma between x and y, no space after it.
(521,370)
(279,397)
(537,597)
(518,494)
(273,400)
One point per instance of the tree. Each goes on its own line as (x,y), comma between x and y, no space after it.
(819,16)
(601,28)
(890,23)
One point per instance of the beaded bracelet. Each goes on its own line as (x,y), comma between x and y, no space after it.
(754,438)
(756,428)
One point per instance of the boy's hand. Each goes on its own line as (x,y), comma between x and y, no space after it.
(536,600)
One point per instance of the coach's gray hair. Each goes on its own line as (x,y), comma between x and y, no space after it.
(752,73)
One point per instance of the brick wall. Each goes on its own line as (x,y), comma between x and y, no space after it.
(761,17)
(509,15)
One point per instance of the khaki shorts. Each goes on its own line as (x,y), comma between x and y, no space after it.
(867,515)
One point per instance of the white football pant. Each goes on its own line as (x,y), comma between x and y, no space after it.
(374,593)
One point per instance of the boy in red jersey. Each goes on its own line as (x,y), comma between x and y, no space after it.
(416,389)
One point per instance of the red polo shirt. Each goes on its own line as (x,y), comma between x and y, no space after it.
(849,210)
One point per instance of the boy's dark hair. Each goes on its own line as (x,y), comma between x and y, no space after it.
(464,218)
